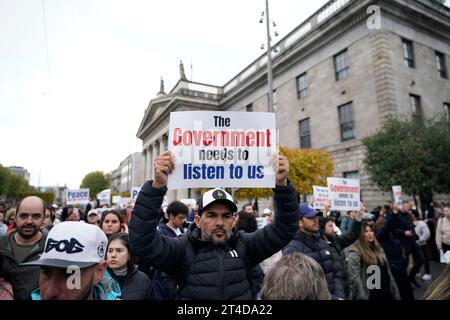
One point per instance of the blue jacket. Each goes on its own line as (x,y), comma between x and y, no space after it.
(215,272)
(106,289)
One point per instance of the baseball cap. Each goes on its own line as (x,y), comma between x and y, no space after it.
(92,211)
(73,243)
(216,195)
(305,211)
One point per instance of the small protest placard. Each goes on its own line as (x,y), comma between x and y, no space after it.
(222,149)
(398,197)
(77,196)
(320,196)
(344,194)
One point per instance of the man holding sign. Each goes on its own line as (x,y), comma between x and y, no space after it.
(211,261)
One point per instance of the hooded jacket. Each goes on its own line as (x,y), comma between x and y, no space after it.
(24,279)
(216,272)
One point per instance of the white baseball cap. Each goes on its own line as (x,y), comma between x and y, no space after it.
(73,243)
(216,196)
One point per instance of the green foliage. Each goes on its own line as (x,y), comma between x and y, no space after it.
(18,184)
(96,182)
(48,197)
(5,176)
(414,154)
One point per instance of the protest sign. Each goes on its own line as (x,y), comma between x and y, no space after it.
(77,196)
(104,196)
(320,196)
(189,202)
(344,194)
(222,149)
(116,199)
(398,198)
(134,193)
(261,222)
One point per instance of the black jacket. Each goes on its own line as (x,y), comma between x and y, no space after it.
(134,286)
(337,246)
(217,272)
(315,247)
(24,279)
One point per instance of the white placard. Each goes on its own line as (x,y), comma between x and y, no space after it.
(134,193)
(222,149)
(104,196)
(398,197)
(77,196)
(261,221)
(344,194)
(320,195)
(191,202)
(116,199)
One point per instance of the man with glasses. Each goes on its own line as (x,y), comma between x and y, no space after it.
(308,241)
(24,244)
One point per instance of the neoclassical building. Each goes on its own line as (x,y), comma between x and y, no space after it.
(336,79)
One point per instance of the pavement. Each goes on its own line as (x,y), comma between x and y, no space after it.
(436,269)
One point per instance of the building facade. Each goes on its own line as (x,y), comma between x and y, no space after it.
(20,171)
(336,80)
(130,173)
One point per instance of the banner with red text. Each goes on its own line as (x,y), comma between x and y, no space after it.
(222,149)
(344,194)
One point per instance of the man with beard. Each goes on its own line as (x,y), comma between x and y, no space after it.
(211,261)
(24,244)
(73,265)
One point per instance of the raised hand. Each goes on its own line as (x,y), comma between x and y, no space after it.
(162,166)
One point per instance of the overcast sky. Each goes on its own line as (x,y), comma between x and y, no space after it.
(72,98)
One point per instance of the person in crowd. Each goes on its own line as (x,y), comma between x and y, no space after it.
(48,218)
(3,208)
(24,244)
(6,291)
(405,233)
(74,216)
(443,231)
(339,243)
(295,277)
(365,254)
(164,285)
(134,284)
(11,219)
(211,261)
(440,288)
(176,212)
(112,221)
(346,221)
(268,214)
(92,217)
(423,233)
(247,223)
(74,249)
(308,241)
(248,208)
(3,226)
(66,212)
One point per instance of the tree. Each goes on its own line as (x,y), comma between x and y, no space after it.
(96,182)
(307,167)
(414,154)
(5,176)
(18,184)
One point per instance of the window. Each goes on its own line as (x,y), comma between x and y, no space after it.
(416,108)
(249,108)
(408,53)
(166,142)
(351,175)
(346,121)
(441,65)
(447,109)
(341,65)
(302,85)
(305,134)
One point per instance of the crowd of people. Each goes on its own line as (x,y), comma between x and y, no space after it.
(216,252)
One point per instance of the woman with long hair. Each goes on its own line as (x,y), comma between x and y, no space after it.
(134,284)
(369,271)
(440,288)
